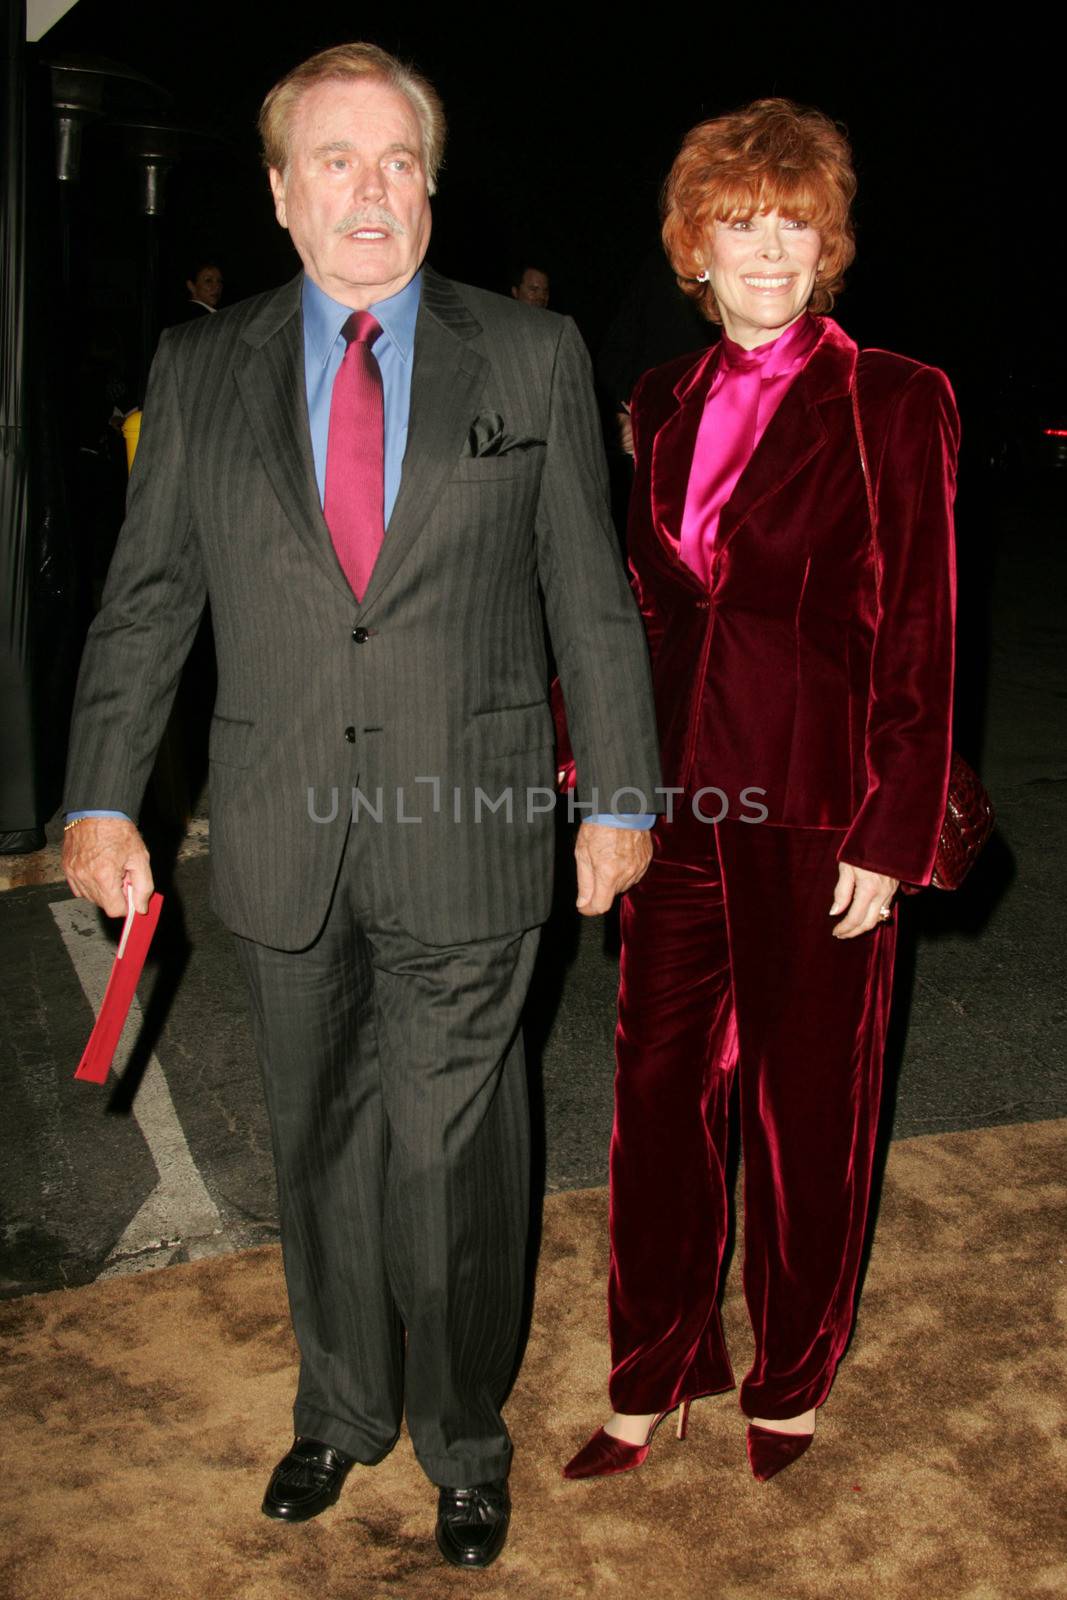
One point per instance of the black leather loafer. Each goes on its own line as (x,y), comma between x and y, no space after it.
(472,1524)
(306,1481)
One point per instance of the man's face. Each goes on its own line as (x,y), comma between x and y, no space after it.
(532,287)
(206,286)
(354,195)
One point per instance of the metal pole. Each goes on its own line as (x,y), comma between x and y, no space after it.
(20,819)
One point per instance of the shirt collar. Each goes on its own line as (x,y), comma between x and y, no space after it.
(324,318)
(778,356)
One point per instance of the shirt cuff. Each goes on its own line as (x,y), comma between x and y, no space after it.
(639,820)
(76,816)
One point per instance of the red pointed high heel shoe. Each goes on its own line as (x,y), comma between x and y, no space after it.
(604,1455)
(770,1452)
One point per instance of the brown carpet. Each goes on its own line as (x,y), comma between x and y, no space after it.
(141,1415)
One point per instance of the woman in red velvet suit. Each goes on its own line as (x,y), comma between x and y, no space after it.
(801,631)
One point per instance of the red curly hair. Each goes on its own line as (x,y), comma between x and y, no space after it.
(771,155)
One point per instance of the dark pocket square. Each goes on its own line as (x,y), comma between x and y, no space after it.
(488,438)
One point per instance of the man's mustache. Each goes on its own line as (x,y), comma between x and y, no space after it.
(371,217)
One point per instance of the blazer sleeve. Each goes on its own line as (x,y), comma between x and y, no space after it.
(152,603)
(593,622)
(909,709)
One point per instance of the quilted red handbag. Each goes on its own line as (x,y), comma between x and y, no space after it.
(969,819)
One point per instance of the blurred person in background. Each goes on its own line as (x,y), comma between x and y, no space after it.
(531,286)
(205,285)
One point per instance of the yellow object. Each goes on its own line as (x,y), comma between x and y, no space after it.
(131,432)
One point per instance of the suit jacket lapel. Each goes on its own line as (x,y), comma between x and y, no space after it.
(446,384)
(270,381)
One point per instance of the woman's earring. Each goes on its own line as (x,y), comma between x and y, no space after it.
(703,276)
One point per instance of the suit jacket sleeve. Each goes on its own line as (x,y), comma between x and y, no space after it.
(909,717)
(152,603)
(593,622)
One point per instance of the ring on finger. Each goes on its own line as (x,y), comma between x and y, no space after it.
(884,912)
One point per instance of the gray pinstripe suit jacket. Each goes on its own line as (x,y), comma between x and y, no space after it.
(449,681)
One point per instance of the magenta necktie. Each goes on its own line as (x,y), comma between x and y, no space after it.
(355,455)
(745,392)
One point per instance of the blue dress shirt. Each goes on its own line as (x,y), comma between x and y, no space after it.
(394,350)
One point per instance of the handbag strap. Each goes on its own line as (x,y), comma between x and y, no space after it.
(864,463)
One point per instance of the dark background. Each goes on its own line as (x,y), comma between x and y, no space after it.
(563,124)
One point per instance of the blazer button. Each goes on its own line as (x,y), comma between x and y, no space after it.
(350,735)
(361,635)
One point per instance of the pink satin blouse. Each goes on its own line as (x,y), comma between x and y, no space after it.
(746,391)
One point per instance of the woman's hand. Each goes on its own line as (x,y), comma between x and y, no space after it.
(865,894)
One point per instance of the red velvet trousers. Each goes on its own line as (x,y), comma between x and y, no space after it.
(729,971)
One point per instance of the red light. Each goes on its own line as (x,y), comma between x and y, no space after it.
(1055,433)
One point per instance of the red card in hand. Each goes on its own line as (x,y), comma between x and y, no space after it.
(129,960)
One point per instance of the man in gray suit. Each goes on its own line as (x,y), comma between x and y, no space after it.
(376,549)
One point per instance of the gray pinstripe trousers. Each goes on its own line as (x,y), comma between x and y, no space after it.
(396,1091)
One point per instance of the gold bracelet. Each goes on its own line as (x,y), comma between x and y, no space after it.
(77,820)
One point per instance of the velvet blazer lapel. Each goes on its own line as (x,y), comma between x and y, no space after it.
(794,435)
(672,453)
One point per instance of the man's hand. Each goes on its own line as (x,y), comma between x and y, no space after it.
(610,861)
(102,854)
(864,893)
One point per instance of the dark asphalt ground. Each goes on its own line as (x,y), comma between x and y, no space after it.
(978,1039)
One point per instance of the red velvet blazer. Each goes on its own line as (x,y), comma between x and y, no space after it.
(816,665)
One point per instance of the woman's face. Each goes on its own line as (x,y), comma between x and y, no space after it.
(762,270)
